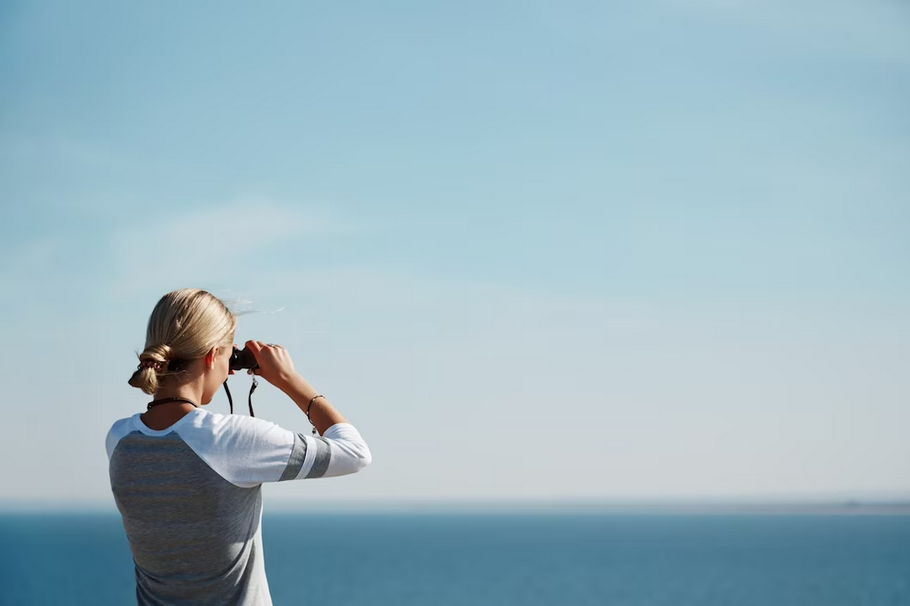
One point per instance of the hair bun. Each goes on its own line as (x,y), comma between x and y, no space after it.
(157,353)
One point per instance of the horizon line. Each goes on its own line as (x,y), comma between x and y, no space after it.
(845,506)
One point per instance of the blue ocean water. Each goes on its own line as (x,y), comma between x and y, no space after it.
(500,559)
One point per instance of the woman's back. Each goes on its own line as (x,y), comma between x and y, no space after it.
(190,498)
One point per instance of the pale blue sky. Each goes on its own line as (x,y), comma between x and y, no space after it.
(533,250)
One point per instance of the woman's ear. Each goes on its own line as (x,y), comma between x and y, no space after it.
(210,357)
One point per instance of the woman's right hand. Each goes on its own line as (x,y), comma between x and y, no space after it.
(275,364)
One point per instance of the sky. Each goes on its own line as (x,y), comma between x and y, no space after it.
(536,252)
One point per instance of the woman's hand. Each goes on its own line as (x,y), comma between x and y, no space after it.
(275,364)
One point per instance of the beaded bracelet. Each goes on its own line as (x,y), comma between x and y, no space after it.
(308,411)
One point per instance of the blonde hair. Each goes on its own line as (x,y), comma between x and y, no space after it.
(184,326)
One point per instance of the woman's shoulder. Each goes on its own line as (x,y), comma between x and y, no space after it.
(229,422)
(229,427)
(119,429)
(122,424)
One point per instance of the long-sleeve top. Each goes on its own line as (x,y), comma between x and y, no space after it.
(190,498)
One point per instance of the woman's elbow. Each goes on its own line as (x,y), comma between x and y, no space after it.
(356,457)
(364,458)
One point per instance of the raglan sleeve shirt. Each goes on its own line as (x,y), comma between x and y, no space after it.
(191,502)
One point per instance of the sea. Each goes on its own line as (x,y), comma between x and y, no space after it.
(500,559)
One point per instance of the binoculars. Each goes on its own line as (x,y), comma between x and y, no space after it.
(240,359)
(243,358)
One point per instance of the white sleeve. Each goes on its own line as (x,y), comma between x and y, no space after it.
(248,451)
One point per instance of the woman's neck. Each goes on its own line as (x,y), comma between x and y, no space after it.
(166,414)
(191,390)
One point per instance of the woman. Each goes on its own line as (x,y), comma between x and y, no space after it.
(187,481)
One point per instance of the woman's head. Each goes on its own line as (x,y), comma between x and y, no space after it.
(190,334)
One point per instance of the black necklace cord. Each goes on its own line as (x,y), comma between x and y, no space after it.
(166,400)
(250,397)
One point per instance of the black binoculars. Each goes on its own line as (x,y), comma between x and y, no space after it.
(240,359)
(243,358)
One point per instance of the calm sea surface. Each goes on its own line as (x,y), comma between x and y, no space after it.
(500,559)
